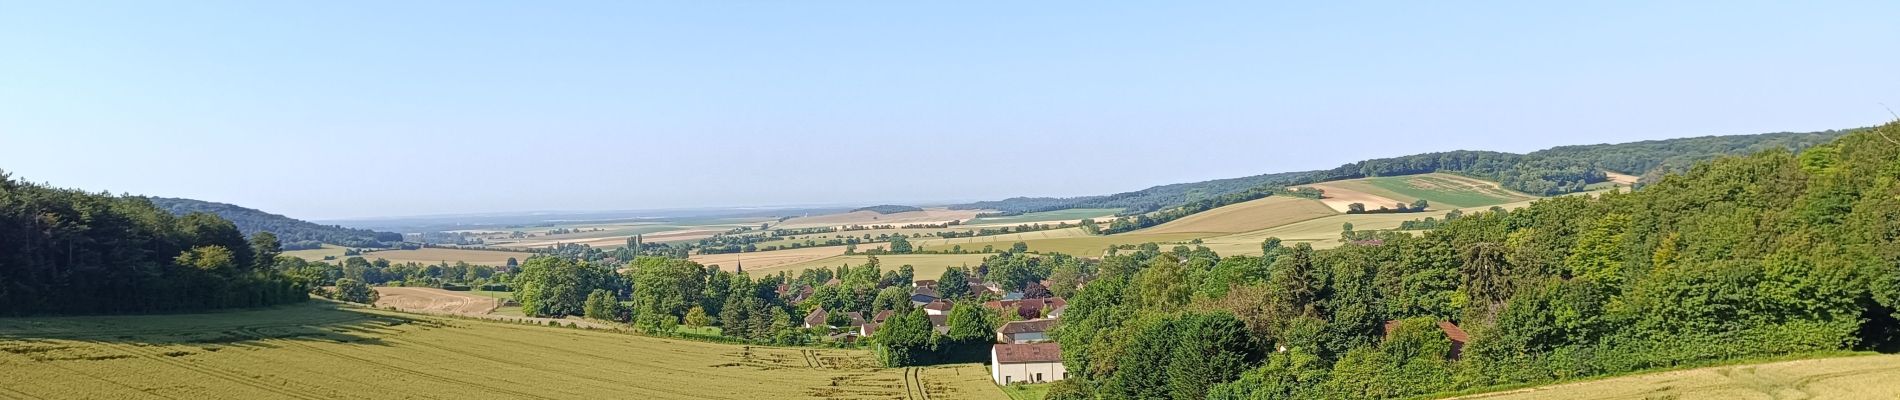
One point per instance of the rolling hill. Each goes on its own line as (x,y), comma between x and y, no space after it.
(1557,170)
(294,233)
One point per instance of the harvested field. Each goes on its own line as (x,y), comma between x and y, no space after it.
(1622,179)
(1073,214)
(677,235)
(438,255)
(326,351)
(432,300)
(1247,216)
(1340,197)
(975,243)
(927,266)
(927,216)
(767,259)
(1863,377)
(1323,233)
(1443,191)
(328,250)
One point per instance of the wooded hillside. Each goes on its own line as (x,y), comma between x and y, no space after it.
(295,233)
(67,251)
(1557,170)
(1763,254)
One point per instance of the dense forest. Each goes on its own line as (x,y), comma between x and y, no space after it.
(1771,253)
(72,252)
(296,234)
(1557,170)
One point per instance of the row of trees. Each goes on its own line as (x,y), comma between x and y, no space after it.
(1772,253)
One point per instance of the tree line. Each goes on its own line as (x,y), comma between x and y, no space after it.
(66,251)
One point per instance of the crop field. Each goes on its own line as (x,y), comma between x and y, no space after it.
(1247,216)
(1323,233)
(1073,214)
(927,266)
(327,351)
(328,250)
(767,259)
(1862,377)
(614,241)
(437,255)
(435,300)
(1443,191)
(975,243)
(928,215)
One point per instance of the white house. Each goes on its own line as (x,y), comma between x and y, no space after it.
(1028,363)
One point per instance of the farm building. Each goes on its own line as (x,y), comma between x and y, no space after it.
(1032,308)
(870,327)
(923,295)
(938,308)
(940,323)
(818,316)
(1030,363)
(1031,331)
(1456,335)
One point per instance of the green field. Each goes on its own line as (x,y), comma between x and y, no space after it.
(1047,216)
(1027,392)
(326,351)
(1443,191)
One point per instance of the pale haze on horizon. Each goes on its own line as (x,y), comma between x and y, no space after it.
(325,110)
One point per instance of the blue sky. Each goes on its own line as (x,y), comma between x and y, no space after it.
(355,108)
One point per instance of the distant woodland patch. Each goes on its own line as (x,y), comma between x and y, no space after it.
(888,209)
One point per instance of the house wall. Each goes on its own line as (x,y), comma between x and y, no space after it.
(1025,337)
(1005,374)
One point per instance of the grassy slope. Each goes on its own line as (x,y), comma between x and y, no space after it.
(321,351)
(1246,216)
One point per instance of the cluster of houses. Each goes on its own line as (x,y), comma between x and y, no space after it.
(1024,351)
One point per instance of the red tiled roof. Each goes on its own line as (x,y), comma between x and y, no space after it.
(881,316)
(1452,331)
(816,317)
(938,305)
(1034,325)
(1028,353)
(1029,308)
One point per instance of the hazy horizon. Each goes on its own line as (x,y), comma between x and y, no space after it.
(355,110)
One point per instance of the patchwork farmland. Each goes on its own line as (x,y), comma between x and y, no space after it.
(325,351)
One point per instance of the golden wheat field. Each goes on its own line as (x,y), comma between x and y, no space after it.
(1864,377)
(323,350)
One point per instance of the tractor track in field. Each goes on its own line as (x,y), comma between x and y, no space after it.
(592,356)
(215,373)
(398,368)
(9,393)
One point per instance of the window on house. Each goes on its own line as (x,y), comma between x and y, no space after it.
(1038,377)
(1007,379)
